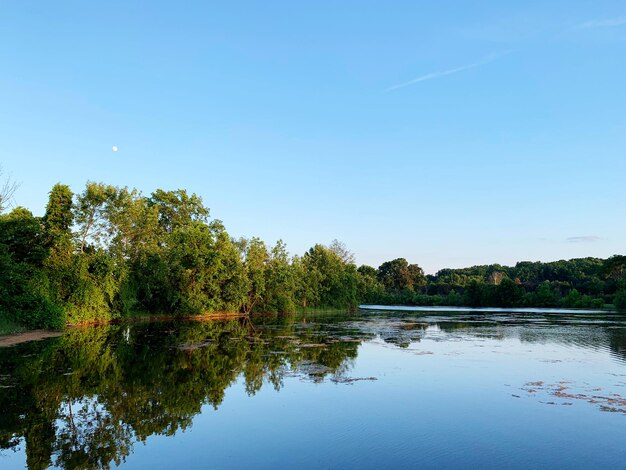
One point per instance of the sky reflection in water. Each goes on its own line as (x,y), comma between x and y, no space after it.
(366,390)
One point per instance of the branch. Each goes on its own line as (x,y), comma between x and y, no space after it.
(7,190)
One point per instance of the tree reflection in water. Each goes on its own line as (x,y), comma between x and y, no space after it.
(83,400)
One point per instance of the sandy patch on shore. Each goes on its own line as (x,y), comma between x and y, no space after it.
(34,335)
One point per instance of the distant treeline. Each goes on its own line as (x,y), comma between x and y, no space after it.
(108,252)
(576,283)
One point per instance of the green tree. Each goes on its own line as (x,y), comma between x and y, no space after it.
(619,301)
(417,276)
(396,276)
(177,208)
(192,270)
(23,234)
(59,217)
(280,282)
(545,295)
(22,254)
(332,280)
(58,279)
(474,294)
(91,214)
(369,287)
(508,293)
(255,257)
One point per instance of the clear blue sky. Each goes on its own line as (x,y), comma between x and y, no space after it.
(450,133)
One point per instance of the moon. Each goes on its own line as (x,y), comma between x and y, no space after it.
(114,148)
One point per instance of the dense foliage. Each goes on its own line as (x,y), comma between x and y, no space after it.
(576,283)
(109,252)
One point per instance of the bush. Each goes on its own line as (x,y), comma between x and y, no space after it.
(619,301)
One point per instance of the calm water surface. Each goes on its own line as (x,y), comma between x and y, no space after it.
(376,389)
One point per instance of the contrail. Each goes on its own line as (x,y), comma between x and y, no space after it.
(433,75)
(607,23)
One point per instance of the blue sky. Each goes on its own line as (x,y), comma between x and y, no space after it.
(450,133)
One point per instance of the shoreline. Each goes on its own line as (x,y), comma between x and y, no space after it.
(450,309)
(27,336)
(14,339)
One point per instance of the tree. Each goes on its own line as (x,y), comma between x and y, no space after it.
(496,277)
(22,253)
(619,300)
(23,234)
(545,295)
(7,190)
(58,273)
(615,267)
(255,259)
(325,280)
(177,208)
(190,273)
(307,282)
(133,224)
(59,217)
(474,294)
(324,268)
(508,293)
(395,275)
(341,250)
(417,276)
(280,281)
(91,213)
(369,287)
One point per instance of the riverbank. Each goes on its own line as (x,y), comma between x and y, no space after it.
(27,336)
(12,333)
(444,309)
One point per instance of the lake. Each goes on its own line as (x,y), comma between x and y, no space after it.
(367,390)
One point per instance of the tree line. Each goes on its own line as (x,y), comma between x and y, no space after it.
(575,283)
(107,252)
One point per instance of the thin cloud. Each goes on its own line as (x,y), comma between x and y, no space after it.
(433,75)
(606,23)
(583,239)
